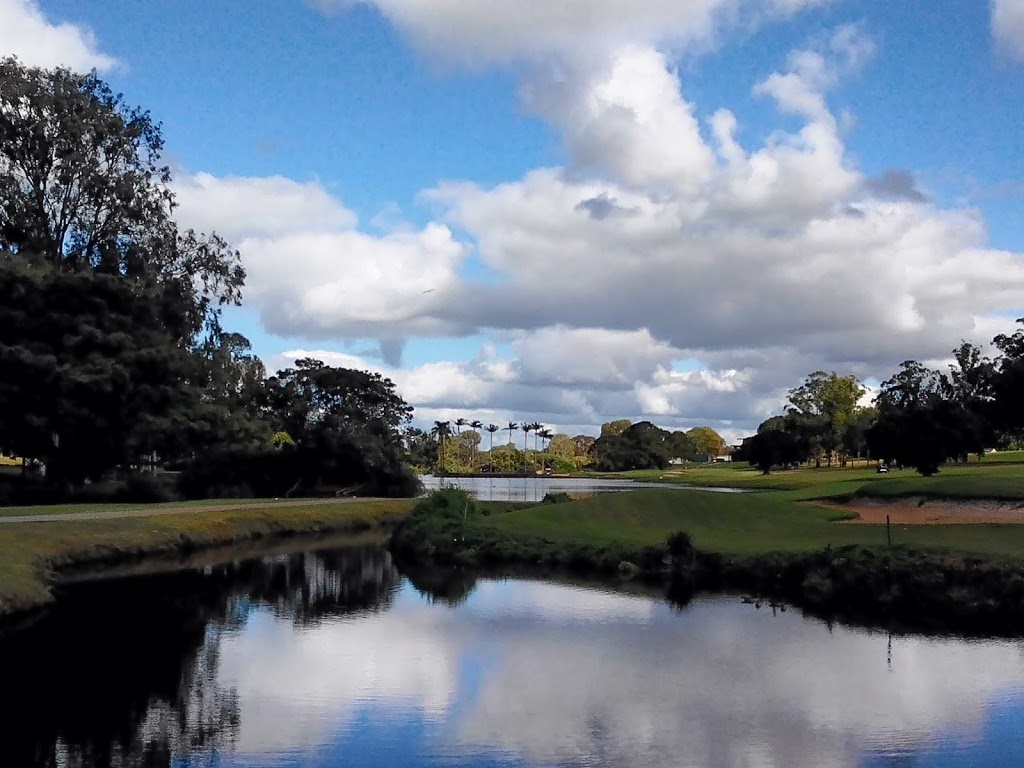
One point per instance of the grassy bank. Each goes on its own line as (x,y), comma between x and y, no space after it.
(30,552)
(967,577)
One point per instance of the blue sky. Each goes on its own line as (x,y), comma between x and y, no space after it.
(870,213)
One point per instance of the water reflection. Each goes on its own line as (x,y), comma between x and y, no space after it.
(332,658)
(488,488)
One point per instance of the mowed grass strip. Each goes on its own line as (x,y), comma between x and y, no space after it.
(1003,484)
(69,509)
(29,551)
(741,525)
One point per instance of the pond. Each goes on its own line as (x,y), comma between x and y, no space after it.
(334,658)
(534,488)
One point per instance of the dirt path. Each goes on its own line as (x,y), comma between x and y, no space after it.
(933,512)
(121,514)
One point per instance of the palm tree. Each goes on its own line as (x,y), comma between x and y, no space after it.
(492,428)
(545,434)
(527,429)
(512,427)
(459,424)
(441,430)
(475,424)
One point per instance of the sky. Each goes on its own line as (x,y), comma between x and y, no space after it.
(572,212)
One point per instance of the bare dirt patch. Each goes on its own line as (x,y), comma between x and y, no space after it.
(922,511)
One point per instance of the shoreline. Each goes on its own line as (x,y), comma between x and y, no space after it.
(917,588)
(39,557)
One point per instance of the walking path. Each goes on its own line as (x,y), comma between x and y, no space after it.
(120,514)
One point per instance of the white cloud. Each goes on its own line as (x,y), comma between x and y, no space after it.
(667,237)
(1008,26)
(499,30)
(311,272)
(258,207)
(26,33)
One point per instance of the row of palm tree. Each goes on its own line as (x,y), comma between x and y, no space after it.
(443,430)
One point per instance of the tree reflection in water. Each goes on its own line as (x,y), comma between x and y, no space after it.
(124,673)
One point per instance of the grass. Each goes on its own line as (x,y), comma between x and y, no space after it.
(67,509)
(992,486)
(30,551)
(740,525)
(990,480)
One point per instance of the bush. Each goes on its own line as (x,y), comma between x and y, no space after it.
(557,497)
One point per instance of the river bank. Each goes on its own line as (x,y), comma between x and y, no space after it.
(964,579)
(34,554)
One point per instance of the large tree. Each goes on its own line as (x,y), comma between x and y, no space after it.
(88,368)
(1007,409)
(83,188)
(707,441)
(640,446)
(825,404)
(86,207)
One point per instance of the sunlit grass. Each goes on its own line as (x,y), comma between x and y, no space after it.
(750,524)
(28,551)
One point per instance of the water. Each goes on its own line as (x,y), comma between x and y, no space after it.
(534,488)
(335,659)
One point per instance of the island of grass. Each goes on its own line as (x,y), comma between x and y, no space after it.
(70,537)
(803,542)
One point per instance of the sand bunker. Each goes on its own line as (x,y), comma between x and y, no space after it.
(932,512)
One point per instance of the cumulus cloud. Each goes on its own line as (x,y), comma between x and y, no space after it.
(258,207)
(573,379)
(1008,27)
(312,273)
(666,237)
(503,30)
(26,33)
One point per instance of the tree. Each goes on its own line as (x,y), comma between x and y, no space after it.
(441,431)
(491,429)
(512,427)
(641,446)
(86,205)
(683,447)
(83,188)
(476,424)
(919,425)
(562,447)
(707,441)
(88,368)
(923,436)
(420,448)
(527,429)
(544,434)
(584,445)
(1007,408)
(770,448)
(827,402)
(613,428)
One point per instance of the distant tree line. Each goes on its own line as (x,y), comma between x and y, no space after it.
(112,350)
(457,448)
(921,418)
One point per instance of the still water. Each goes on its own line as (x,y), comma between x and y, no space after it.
(335,659)
(534,488)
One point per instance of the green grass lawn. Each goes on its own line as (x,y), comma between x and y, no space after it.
(66,509)
(979,484)
(809,483)
(748,524)
(28,551)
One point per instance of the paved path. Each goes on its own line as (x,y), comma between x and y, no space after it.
(120,514)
